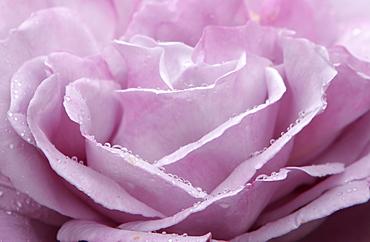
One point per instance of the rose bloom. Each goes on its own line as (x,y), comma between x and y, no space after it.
(184,120)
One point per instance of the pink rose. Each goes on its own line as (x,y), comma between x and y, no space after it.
(184,120)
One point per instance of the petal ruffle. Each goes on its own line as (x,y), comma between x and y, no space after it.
(80,230)
(184,21)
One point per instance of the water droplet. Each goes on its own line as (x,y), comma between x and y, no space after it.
(349,190)
(9,212)
(354,189)
(249,186)
(80,118)
(204,85)
(272,141)
(11,146)
(339,193)
(164,233)
(117,147)
(199,189)
(67,98)
(107,144)
(226,190)
(224,205)
(1,193)
(162,169)
(74,158)
(261,177)
(10,114)
(81,162)
(19,204)
(184,235)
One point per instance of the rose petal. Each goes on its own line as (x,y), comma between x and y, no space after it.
(354,90)
(27,168)
(137,57)
(214,213)
(219,44)
(230,135)
(125,9)
(149,184)
(77,230)
(15,227)
(355,37)
(352,173)
(350,224)
(23,86)
(313,20)
(103,12)
(54,136)
(11,16)
(13,13)
(335,199)
(344,12)
(13,201)
(184,20)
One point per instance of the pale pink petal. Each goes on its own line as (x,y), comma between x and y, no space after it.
(302,101)
(214,213)
(337,198)
(140,179)
(13,13)
(184,20)
(15,227)
(219,44)
(355,36)
(135,59)
(58,138)
(80,230)
(350,224)
(208,154)
(99,16)
(23,86)
(357,171)
(86,100)
(354,90)
(22,163)
(344,12)
(13,201)
(203,109)
(313,20)
(125,9)
(168,65)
